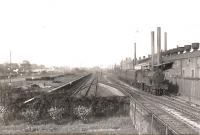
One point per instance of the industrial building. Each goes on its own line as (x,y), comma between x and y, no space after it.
(185,70)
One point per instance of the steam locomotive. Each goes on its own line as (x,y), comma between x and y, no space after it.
(152,81)
(151,78)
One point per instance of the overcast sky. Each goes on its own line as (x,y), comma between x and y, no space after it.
(91,32)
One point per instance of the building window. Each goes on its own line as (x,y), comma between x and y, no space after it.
(192,73)
(188,61)
(183,72)
(199,73)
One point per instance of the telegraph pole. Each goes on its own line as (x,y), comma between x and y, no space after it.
(136,39)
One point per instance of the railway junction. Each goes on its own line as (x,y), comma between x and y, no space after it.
(81,105)
(91,97)
(144,98)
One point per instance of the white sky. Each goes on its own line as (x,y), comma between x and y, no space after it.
(91,32)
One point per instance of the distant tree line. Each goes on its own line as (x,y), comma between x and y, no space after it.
(18,69)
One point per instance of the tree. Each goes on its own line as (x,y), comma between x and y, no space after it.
(25,66)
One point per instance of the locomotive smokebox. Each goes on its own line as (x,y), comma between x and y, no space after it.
(158,45)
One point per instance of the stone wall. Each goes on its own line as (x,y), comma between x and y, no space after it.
(188,88)
(144,122)
(185,73)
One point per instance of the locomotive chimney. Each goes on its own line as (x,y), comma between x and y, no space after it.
(165,49)
(152,49)
(158,45)
(135,54)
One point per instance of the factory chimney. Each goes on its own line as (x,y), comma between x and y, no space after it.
(165,47)
(135,54)
(152,49)
(158,45)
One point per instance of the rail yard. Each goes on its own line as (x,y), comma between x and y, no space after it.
(176,117)
(139,96)
(149,113)
(153,95)
(77,99)
(99,67)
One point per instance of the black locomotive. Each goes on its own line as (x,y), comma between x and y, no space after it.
(149,80)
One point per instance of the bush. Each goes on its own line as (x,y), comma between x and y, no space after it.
(30,114)
(82,112)
(55,113)
(3,115)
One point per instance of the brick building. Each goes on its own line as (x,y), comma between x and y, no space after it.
(185,72)
(126,64)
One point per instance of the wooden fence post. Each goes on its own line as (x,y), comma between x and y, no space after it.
(152,124)
(134,116)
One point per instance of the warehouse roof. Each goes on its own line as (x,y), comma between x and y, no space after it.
(182,56)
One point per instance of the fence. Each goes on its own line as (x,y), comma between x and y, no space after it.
(188,88)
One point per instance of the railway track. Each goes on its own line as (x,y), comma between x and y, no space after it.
(177,116)
(170,102)
(70,89)
(180,111)
(62,91)
(87,88)
(174,124)
(182,106)
(39,105)
(183,101)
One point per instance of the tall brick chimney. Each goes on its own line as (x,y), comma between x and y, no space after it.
(158,45)
(165,37)
(152,49)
